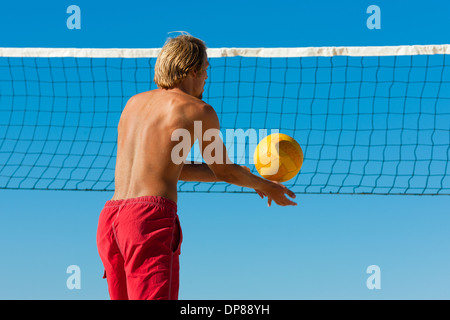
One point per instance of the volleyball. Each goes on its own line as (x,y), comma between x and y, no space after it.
(278,157)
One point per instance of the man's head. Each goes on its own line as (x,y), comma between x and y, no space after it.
(180,57)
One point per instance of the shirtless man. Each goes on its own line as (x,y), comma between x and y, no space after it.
(139,235)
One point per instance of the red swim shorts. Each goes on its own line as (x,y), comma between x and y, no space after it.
(139,243)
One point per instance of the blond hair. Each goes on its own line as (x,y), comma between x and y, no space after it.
(178,57)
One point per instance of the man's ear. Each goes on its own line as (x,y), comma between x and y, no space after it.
(193,73)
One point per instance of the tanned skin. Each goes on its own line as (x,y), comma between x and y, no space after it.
(144,166)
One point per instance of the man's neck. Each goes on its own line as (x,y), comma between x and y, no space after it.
(186,87)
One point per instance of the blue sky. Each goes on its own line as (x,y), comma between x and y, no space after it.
(234,246)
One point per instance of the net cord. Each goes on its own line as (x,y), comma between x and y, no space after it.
(231,52)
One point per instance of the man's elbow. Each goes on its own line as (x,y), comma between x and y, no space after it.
(222,176)
(225,173)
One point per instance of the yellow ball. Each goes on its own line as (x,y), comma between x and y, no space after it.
(278,157)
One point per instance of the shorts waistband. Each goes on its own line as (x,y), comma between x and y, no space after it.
(151,199)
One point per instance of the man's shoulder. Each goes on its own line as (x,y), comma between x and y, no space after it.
(202,109)
(138,97)
(193,104)
(185,104)
(190,100)
(198,110)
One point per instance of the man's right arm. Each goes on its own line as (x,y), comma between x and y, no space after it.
(232,173)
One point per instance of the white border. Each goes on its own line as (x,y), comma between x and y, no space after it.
(231,52)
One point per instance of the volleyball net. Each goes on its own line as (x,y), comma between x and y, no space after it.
(370,120)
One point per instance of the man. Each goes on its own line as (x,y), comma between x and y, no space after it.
(139,235)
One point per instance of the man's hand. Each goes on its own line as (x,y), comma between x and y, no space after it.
(275,191)
(259,192)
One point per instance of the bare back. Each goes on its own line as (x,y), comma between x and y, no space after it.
(144,166)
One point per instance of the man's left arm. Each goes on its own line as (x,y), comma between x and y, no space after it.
(200,171)
(197,171)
